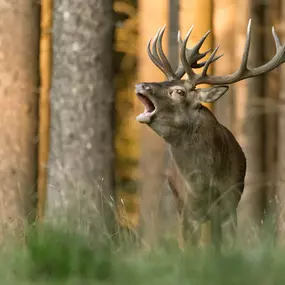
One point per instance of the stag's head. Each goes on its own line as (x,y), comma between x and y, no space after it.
(172,104)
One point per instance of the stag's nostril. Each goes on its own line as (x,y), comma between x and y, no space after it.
(143,87)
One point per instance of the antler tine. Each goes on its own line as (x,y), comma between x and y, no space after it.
(276,39)
(244,60)
(244,72)
(201,64)
(209,61)
(153,54)
(187,66)
(193,55)
(164,60)
(152,57)
(200,43)
(155,58)
(179,39)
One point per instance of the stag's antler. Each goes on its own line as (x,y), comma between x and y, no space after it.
(242,73)
(192,55)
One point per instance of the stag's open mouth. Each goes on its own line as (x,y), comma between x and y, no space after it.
(149,110)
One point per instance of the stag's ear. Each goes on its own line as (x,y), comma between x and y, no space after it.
(212,94)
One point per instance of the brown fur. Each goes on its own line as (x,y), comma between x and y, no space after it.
(207,165)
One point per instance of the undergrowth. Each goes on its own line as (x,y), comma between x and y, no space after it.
(63,257)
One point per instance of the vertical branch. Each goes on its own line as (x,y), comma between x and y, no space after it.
(44,107)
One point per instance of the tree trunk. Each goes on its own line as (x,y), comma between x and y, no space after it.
(223,29)
(81,163)
(281,150)
(272,18)
(44,102)
(253,201)
(127,129)
(152,160)
(18,119)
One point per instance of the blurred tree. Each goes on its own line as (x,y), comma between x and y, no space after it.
(18,120)
(253,201)
(81,163)
(281,148)
(44,103)
(223,29)
(272,90)
(152,162)
(127,134)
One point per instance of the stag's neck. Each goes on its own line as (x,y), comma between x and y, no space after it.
(199,125)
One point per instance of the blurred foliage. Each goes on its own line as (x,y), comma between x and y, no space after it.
(61,256)
(127,149)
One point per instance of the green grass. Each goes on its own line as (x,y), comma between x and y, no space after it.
(62,257)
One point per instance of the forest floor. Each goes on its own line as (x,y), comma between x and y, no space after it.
(59,257)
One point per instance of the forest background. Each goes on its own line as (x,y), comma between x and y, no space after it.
(71,150)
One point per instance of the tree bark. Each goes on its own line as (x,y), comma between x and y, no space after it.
(44,102)
(281,150)
(127,129)
(272,90)
(18,119)
(81,163)
(253,200)
(152,160)
(223,29)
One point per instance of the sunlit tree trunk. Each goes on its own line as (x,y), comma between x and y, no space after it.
(44,102)
(19,38)
(272,90)
(152,15)
(127,134)
(253,126)
(81,163)
(281,148)
(200,14)
(223,30)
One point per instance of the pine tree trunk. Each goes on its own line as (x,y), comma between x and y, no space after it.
(223,29)
(81,164)
(253,200)
(152,160)
(281,150)
(44,102)
(273,18)
(18,117)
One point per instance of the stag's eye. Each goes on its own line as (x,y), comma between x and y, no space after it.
(180,92)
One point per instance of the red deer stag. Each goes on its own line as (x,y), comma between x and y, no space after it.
(207,164)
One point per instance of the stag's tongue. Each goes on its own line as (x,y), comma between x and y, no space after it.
(145,117)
